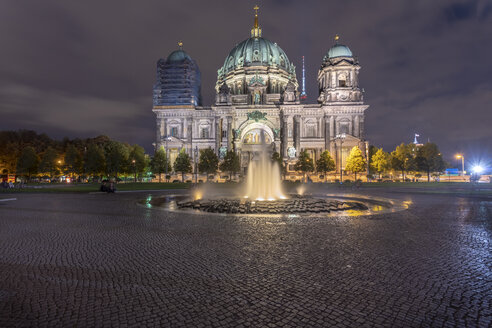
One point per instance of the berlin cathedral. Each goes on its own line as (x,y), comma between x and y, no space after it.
(257,102)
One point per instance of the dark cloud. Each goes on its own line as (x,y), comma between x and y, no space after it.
(86,68)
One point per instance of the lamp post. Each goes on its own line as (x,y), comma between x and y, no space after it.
(462,163)
(196,165)
(341,137)
(134,170)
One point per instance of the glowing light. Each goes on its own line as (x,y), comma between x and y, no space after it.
(198,195)
(477,169)
(301,190)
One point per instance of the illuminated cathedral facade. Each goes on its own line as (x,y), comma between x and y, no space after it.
(257,102)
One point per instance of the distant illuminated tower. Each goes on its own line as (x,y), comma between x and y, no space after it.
(415,139)
(303,93)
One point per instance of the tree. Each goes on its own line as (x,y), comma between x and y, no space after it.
(372,150)
(380,161)
(159,162)
(48,162)
(94,161)
(183,163)
(208,162)
(325,163)
(355,162)
(73,160)
(230,164)
(402,159)
(304,164)
(116,158)
(28,162)
(137,160)
(429,159)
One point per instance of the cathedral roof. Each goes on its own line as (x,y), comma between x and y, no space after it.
(338,50)
(256,51)
(178,56)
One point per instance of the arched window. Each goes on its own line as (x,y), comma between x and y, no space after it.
(174,131)
(204,132)
(310,129)
(342,80)
(343,127)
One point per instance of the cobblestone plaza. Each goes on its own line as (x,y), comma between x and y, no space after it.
(92,260)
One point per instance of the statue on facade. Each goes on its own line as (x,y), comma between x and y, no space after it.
(290,94)
(224,95)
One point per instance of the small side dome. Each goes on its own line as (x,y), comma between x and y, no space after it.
(177,56)
(178,80)
(339,50)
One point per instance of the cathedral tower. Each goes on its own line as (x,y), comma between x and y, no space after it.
(338,76)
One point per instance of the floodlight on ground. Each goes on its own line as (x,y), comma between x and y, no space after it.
(477,169)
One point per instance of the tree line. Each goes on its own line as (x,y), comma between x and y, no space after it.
(408,158)
(30,154)
(110,159)
(405,158)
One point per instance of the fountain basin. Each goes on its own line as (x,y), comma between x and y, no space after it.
(294,205)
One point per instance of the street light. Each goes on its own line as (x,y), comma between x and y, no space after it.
(341,137)
(458,156)
(134,170)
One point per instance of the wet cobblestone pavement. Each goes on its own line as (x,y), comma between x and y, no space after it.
(102,260)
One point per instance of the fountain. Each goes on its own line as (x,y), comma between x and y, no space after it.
(264,180)
(263,194)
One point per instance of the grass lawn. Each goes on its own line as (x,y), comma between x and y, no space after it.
(92,187)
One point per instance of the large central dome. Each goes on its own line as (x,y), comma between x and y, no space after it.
(257,51)
(256,71)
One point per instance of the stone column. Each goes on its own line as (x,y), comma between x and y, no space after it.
(361,127)
(285,136)
(229,133)
(357,127)
(190,136)
(327,132)
(297,133)
(332,127)
(158,131)
(217,136)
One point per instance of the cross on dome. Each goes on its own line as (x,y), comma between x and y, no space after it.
(256,30)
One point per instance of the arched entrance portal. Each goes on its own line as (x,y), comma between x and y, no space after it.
(255,138)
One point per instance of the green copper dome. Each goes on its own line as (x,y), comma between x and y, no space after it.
(256,51)
(339,50)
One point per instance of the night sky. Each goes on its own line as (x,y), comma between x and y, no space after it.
(85,68)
